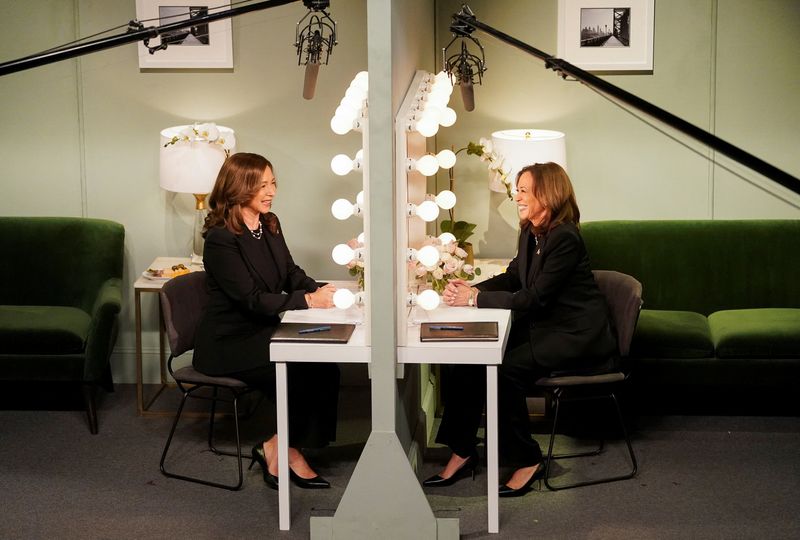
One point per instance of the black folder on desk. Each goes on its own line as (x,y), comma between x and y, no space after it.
(458,331)
(313,332)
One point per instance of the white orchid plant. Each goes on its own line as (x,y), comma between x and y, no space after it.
(205,132)
(451,265)
(498,172)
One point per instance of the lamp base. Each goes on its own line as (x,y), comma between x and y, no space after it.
(198,242)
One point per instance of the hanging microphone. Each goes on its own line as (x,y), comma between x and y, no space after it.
(465,68)
(468,95)
(314,42)
(310,80)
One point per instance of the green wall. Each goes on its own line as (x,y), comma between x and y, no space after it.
(728,66)
(80,137)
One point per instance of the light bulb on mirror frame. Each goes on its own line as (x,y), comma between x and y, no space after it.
(427,210)
(343,209)
(426,255)
(345,298)
(427,126)
(447,238)
(448,117)
(342,254)
(427,299)
(426,165)
(446,158)
(446,199)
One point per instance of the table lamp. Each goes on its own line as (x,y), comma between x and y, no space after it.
(521,147)
(190,159)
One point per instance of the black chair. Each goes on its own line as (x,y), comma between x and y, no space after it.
(624,298)
(183,300)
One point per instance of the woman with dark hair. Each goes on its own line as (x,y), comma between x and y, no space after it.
(251,280)
(560,322)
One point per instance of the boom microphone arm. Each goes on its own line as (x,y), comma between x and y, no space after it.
(564,68)
(134,33)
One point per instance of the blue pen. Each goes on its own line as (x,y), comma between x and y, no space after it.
(446,327)
(314,330)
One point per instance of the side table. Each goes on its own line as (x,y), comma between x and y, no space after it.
(146,285)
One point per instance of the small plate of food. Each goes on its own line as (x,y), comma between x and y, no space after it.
(165,274)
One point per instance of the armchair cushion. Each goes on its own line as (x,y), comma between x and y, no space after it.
(756,333)
(43,329)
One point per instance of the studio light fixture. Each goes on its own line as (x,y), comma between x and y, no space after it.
(314,42)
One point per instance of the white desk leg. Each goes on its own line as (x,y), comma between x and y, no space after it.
(492,463)
(282,409)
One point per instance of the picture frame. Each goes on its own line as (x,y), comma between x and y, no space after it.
(605,35)
(207,45)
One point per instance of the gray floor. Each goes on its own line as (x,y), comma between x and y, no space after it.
(700,477)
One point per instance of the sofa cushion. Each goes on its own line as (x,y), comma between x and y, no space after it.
(672,334)
(756,333)
(43,329)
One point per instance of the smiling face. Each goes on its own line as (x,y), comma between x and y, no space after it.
(261,203)
(528,206)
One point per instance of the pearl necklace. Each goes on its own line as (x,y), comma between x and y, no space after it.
(258,233)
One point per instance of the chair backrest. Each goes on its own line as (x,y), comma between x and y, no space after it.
(624,298)
(183,300)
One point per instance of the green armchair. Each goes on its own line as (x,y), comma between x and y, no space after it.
(60,293)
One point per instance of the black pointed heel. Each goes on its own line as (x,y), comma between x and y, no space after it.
(258,457)
(309,483)
(505,491)
(469,467)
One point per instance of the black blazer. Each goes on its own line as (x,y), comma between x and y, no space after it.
(557,297)
(247,291)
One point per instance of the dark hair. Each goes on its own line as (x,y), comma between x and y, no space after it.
(237,183)
(551,185)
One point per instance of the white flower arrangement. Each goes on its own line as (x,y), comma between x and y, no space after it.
(451,265)
(498,173)
(205,132)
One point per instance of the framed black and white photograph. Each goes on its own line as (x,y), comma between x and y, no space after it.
(606,35)
(201,45)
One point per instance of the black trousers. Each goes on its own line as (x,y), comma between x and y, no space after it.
(464,396)
(313,397)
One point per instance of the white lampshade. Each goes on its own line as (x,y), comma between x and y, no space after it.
(522,147)
(191,166)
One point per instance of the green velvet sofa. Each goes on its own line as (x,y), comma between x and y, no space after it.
(60,293)
(721,299)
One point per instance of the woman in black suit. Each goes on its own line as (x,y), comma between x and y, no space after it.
(251,280)
(560,322)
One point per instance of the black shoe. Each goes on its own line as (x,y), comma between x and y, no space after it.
(506,491)
(470,466)
(258,457)
(309,483)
